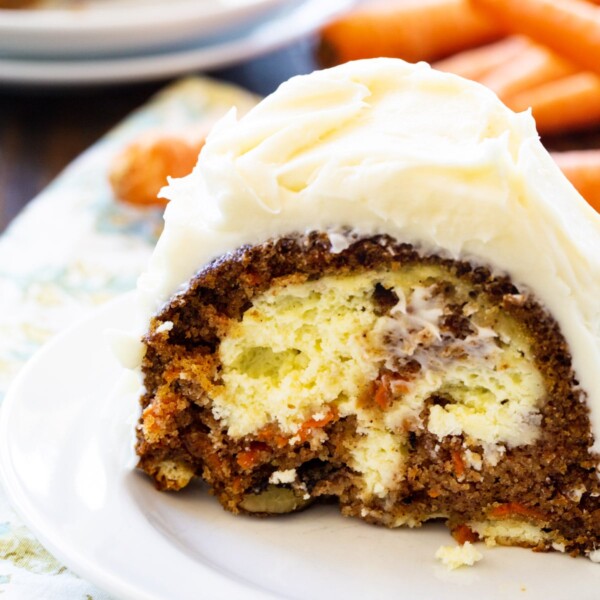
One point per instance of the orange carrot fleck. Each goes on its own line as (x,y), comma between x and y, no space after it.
(247,459)
(306,429)
(569,27)
(272,435)
(463,533)
(387,387)
(410,29)
(512,509)
(458,463)
(383,395)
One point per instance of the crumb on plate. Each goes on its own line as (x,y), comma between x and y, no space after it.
(453,557)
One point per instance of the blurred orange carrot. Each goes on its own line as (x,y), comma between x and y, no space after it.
(582,168)
(18,4)
(140,170)
(569,27)
(478,62)
(410,29)
(567,104)
(534,66)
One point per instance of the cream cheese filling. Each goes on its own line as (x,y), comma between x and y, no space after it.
(305,349)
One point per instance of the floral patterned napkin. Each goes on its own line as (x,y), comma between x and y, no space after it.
(73,248)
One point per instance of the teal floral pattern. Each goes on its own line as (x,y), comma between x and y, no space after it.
(72,249)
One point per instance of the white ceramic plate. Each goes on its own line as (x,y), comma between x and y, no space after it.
(296,20)
(76,27)
(67,463)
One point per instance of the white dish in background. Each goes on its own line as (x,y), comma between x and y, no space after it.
(67,463)
(296,20)
(116,26)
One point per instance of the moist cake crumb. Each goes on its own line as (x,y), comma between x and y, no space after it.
(287,476)
(407,387)
(453,557)
(594,556)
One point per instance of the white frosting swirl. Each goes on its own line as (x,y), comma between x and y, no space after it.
(382,146)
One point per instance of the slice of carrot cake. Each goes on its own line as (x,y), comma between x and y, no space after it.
(377,287)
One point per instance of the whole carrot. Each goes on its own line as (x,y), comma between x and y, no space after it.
(582,168)
(410,29)
(476,63)
(567,104)
(569,27)
(534,66)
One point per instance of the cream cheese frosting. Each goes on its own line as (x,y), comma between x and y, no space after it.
(383,146)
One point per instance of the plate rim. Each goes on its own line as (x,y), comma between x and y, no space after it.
(21,503)
(305,16)
(65,21)
(218,585)
(9,479)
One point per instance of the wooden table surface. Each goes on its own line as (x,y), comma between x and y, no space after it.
(43,129)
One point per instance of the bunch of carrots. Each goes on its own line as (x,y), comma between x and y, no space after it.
(538,54)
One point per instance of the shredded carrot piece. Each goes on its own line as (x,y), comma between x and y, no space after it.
(384,392)
(383,395)
(247,459)
(459,465)
(463,533)
(306,429)
(272,435)
(512,509)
